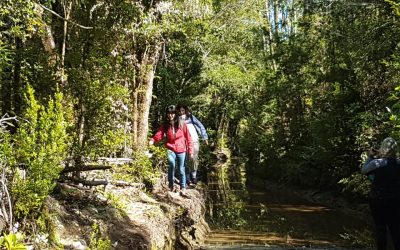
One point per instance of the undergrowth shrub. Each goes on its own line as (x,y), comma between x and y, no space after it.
(40,148)
(143,169)
(12,241)
(97,242)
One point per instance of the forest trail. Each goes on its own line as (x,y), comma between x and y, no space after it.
(276,218)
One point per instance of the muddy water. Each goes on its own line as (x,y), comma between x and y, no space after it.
(275,218)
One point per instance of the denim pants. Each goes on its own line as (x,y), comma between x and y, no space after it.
(172,157)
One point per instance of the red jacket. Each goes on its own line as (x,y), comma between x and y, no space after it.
(179,142)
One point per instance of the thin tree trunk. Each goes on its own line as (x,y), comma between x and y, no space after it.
(141,95)
(223,126)
(134,112)
(270,39)
(81,125)
(276,20)
(49,45)
(144,102)
(67,14)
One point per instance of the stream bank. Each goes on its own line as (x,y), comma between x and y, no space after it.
(128,217)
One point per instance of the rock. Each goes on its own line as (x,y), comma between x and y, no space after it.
(77,245)
(130,218)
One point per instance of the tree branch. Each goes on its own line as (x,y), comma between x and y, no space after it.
(86,182)
(57,15)
(85,168)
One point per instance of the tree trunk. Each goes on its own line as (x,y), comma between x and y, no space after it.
(223,126)
(276,19)
(61,70)
(47,39)
(141,93)
(270,39)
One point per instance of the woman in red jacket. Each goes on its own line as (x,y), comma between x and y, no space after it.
(178,143)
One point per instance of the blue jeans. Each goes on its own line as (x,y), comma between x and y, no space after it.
(172,156)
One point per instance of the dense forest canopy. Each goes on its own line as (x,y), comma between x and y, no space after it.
(299,88)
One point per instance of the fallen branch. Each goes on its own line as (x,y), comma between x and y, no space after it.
(5,211)
(117,161)
(85,168)
(86,182)
(127,184)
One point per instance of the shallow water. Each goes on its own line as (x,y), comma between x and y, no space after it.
(275,218)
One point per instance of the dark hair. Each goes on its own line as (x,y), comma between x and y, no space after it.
(185,107)
(171,109)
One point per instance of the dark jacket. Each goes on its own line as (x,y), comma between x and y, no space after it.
(386,180)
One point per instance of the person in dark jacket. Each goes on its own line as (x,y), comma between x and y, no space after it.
(384,197)
(178,143)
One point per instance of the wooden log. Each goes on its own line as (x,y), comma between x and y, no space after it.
(85,168)
(117,161)
(86,182)
(127,184)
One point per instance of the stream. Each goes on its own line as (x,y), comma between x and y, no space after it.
(244,217)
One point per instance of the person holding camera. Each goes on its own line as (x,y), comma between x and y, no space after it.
(383,169)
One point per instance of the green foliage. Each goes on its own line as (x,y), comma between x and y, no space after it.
(97,242)
(301,98)
(395,5)
(229,217)
(46,230)
(7,157)
(5,56)
(116,201)
(40,148)
(142,168)
(360,239)
(103,110)
(20,18)
(320,107)
(394,118)
(356,184)
(12,241)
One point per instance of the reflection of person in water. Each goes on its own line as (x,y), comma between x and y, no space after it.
(384,171)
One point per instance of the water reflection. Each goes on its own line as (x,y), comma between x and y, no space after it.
(273,217)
